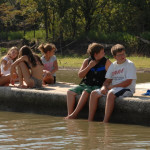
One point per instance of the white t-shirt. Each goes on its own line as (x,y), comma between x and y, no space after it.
(121,72)
(6,72)
(49,65)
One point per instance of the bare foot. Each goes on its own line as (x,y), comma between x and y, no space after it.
(44,85)
(105,121)
(12,85)
(22,86)
(70,117)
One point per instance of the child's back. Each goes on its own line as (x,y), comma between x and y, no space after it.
(37,71)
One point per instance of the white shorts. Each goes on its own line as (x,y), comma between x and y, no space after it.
(118,92)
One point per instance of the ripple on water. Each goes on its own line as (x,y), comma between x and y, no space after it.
(32,131)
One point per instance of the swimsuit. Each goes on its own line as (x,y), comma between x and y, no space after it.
(37,82)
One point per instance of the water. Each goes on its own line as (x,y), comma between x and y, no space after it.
(71,76)
(31,131)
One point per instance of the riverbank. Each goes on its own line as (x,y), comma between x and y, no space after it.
(139,70)
(51,100)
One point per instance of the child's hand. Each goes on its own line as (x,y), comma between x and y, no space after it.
(92,63)
(104,90)
(15,76)
(47,73)
(12,81)
(9,63)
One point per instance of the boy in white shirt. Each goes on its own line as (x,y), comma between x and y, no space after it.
(120,82)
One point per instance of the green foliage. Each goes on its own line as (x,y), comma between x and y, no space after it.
(11,35)
(145,35)
(107,21)
(3,51)
(38,35)
(15,35)
(3,36)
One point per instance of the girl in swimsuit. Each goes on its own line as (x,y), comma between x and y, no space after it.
(30,76)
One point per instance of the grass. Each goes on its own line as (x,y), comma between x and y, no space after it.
(72,62)
(140,62)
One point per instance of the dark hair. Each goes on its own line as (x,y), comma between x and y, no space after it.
(117,48)
(47,47)
(38,59)
(94,48)
(25,50)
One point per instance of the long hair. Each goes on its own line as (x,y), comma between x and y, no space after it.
(8,53)
(47,47)
(38,59)
(25,50)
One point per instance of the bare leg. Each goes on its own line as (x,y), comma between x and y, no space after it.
(48,79)
(4,80)
(20,76)
(26,74)
(110,100)
(82,101)
(93,103)
(70,101)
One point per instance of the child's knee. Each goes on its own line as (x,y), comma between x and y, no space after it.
(95,94)
(111,94)
(71,93)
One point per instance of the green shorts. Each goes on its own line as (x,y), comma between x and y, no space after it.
(83,87)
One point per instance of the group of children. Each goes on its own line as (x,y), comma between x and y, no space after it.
(28,68)
(100,77)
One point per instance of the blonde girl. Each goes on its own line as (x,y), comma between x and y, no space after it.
(7,60)
(50,63)
(30,69)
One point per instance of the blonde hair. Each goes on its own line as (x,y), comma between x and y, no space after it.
(9,51)
(47,47)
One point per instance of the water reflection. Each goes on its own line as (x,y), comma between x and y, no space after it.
(71,76)
(32,131)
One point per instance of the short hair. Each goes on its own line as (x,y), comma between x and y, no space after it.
(94,48)
(117,48)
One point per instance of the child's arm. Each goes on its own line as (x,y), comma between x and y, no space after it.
(5,64)
(86,67)
(21,59)
(108,63)
(55,67)
(105,86)
(122,84)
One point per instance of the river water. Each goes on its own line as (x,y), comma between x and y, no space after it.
(24,131)
(72,76)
